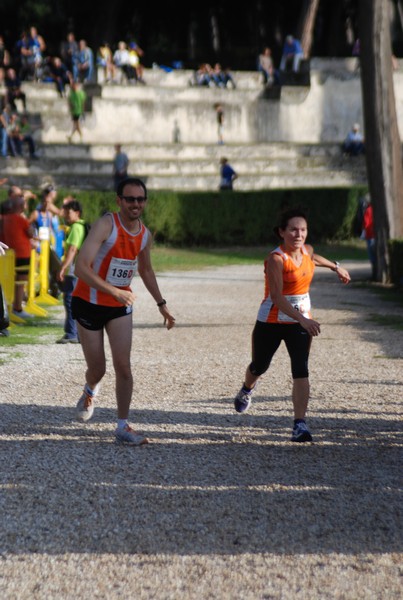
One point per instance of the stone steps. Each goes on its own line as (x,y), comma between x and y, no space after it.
(180,167)
(286,140)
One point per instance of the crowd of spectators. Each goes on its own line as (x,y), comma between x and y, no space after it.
(29,59)
(209,76)
(75,60)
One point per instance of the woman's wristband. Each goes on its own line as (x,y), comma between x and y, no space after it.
(159,304)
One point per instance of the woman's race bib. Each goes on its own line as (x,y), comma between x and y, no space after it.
(121,272)
(301,303)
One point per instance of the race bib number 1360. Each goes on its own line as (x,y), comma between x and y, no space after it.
(121,272)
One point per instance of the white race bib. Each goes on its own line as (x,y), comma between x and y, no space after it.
(44,233)
(121,271)
(301,303)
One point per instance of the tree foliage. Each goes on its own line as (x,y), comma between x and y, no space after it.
(191,32)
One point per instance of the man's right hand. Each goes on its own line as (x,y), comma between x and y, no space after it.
(125,297)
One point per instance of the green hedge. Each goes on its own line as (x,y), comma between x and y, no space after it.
(232,218)
(247,218)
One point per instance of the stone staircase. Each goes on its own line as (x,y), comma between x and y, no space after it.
(262,133)
(187,167)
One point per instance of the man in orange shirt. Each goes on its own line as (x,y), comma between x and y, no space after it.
(117,246)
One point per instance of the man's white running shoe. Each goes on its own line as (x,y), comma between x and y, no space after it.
(85,405)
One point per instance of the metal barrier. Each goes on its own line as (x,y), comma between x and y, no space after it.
(37,284)
(44,297)
(33,280)
(7,280)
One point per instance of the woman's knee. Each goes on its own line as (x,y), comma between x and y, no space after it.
(257,369)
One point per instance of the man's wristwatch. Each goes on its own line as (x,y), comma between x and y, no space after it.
(337,265)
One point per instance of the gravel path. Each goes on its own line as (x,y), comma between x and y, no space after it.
(219,505)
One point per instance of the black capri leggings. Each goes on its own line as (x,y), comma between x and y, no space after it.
(267,337)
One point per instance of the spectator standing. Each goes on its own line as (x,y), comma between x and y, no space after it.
(25,57)
(4,120)
(120,166)
(354,142)
(72,211)
(227,175)
(76,101)
(69,53)
(17,234)
(219,110)
(368,233)
(292,54)
(5,58)
(5,320)
(46,220)
(38,46)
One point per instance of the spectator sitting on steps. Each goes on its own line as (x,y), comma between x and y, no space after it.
(266,67)
(354,142)
(292,54)
(13,90)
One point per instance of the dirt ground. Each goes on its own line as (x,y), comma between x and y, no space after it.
(218,505)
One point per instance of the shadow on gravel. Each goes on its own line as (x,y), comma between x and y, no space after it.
(210,483)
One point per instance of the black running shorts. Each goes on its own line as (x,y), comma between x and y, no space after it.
(95,317)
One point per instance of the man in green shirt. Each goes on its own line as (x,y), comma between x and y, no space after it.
(78,230)
(76,98)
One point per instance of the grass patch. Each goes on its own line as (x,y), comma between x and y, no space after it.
(34,332)
(167,258)
(386,292)
(393,321)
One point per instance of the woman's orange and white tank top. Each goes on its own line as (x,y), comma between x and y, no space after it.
(296,283)
(115,262)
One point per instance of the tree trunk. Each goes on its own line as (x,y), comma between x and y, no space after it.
(400,11)
(307,24)
(382,140)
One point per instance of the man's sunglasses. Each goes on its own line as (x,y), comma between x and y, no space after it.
(133,199)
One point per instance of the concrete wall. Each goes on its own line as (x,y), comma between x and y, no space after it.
(323,112)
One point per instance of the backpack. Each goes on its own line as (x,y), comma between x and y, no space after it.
(87,228)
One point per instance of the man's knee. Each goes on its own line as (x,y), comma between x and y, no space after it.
(123,370)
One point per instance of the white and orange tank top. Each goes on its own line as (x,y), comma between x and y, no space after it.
(115,262)
(296,283)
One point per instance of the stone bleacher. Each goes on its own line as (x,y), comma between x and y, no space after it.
(287,140)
